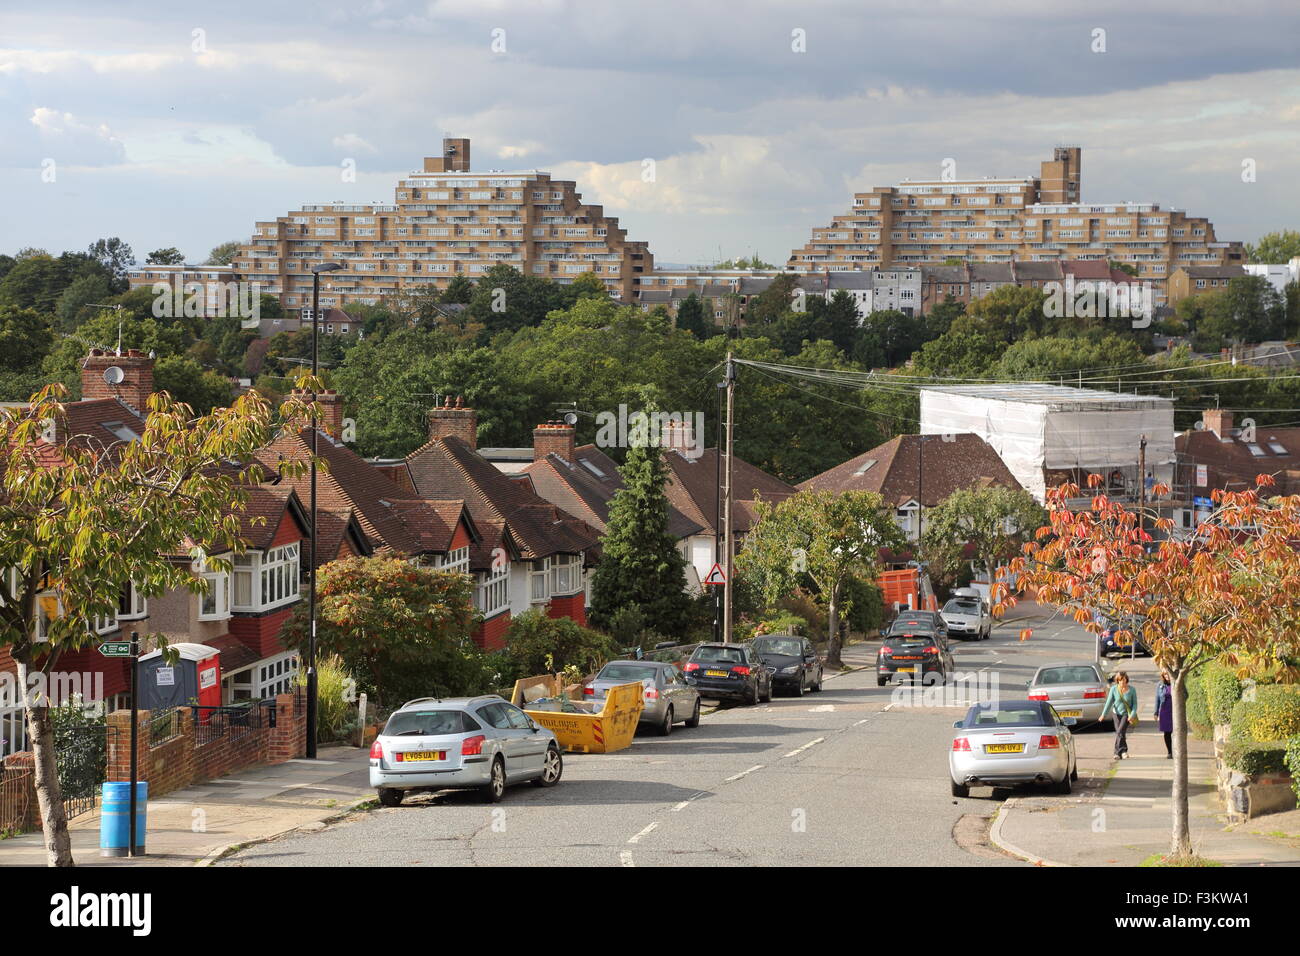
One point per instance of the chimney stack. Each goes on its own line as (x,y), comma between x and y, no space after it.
(1217,420)
(329,410)
(553,438)
(137,377)
(679,436)
(454,421)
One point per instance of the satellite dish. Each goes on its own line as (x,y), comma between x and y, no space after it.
(1199,426)
(570,418)
(114,375)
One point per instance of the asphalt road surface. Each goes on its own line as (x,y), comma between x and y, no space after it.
(854,775)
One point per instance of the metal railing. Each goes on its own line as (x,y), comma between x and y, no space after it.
(164,725)
(233,722)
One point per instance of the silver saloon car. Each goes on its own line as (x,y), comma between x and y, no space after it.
(1073,690)
(479,743)
(1004,743)
(666,697)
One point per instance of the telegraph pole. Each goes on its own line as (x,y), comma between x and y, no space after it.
(717,522)
(728,538)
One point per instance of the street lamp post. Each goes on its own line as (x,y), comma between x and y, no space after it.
(311,555)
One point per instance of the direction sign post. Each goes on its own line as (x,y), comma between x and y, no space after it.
(116,649)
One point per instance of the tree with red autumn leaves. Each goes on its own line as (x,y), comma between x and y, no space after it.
(1229,587)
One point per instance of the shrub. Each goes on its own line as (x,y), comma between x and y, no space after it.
(537,644)
(1273,714)
(782,622)
(1292,759)
(866,605)
(1198,708)
(1253,756)
(1222,691)
(336,694)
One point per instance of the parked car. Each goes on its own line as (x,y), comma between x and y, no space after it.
(666,697)
(967,617)
(914,652)
(1110,641)
(479,743)
(729,672)
(1074,690)
(795,664)
(1003,743)
(910,620)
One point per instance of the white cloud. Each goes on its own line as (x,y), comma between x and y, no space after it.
(353,142)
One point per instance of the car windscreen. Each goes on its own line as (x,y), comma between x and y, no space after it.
(774,645)
(429,723)
(911,627)
(719,655)
(961,606)
(1081,674)
(623,671)
(1008,714)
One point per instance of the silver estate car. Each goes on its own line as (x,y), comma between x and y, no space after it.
(1073,690)
(479,743)
(666,697)
(1003,743)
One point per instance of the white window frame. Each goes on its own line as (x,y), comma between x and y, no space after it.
(272,578)
(275,675)
(539,573)
(456,560)
(136,602)
(566,574)
(492,596)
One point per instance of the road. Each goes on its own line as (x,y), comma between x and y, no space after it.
(854,775)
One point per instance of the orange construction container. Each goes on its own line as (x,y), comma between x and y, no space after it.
(907,588)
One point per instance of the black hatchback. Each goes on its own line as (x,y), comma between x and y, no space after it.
(729,672)
(913,653)
(795,665)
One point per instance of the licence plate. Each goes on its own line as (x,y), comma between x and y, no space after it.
(905,670)
(1070,713)
(715,673)
(1004,748)
(411,755)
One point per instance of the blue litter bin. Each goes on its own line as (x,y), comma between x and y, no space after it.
(115,818)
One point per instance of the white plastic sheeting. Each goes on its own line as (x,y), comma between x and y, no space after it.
(1033,427)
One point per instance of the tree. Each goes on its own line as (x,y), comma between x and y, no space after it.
(992,521)
(830,537)
(25,338)
(690,317)
(77,302)
(538,644)
(1275,247)
(170,256)
(459,290)
(1229,589)
(640,565)
(78,524)
(115,256)
(223,254)
(753,262)
(773,302)
(189,382)
(402,630)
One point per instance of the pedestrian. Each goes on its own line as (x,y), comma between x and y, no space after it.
(1165,711)
(1123,700)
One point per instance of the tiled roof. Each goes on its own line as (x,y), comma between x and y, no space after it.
(891,469)
(693,488)
(1046,271)
(945,274)
(1232,466)
(990,272)
(586,487)
(265,509)
(448,468)
(1224,271)
(235,654)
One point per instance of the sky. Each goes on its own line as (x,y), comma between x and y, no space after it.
(183,124)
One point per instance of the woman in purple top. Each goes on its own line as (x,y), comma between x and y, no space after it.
(1165,712)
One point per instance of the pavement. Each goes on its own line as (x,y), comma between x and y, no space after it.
(1121,811)
(197,825)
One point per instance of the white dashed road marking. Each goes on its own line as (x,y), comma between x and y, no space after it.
(799,750)
(645,832)
(744,773)
(625,858)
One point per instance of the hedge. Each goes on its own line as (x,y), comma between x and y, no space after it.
(1293,763)
(1253,757)
(1198,708)
(1273,714)
(1222,691)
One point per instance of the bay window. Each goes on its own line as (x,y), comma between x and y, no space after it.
(492,596)
(214,600)
(539,581)
(266,580)
(566,573)
(457,560)
(133,605)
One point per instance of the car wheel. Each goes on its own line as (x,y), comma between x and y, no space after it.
(495,788)
(666,727)
(881,681)
(767,697)
(959,789)
(817,686)
(1065,786)
(798,687)
(1074,774)
(391,798)
(751,696)
(694,719)
(552,768)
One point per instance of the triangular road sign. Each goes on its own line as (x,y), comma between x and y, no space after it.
(716,575)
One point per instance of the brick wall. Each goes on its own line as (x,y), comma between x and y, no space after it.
(574,606)
(19,812)
(204,752)
(491,634)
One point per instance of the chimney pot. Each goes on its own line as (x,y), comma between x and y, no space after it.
(448,421)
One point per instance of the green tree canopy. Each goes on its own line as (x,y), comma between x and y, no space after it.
(1275,248)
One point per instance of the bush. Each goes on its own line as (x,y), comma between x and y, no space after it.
(1292,759)
(336,696)
(1273,714)
(866,605)
(1198,707)
(1222,691)
(537,644)
(782,622)
(1253,756)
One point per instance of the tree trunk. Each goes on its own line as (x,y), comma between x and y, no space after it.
(1181,842)
(49,796)
(833,632)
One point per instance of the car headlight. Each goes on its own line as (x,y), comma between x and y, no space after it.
(792,669)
